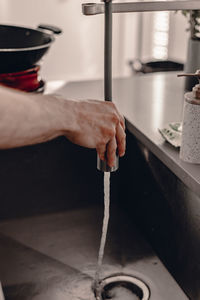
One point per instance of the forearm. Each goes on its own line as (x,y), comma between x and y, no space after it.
(27,119)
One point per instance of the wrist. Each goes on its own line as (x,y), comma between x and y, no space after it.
(64,115)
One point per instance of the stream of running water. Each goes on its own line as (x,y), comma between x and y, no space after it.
(97,286)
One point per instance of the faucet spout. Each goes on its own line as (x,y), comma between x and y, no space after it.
(102,165)
(144,6)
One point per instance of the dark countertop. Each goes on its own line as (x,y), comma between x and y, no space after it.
(148,102)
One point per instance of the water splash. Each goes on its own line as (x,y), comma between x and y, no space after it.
(96,284)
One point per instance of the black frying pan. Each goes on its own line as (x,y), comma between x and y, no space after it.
(21,48)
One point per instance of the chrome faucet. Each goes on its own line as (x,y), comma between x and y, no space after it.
(101,164)
(108,8)
(144,6)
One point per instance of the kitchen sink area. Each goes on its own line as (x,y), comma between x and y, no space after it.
(52,205)
(54,256)
(169,218)
(57,198)
(49,244)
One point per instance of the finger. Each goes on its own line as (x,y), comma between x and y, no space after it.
(122,122)
(111,152)
(121,140)
(121,118)
(101,150)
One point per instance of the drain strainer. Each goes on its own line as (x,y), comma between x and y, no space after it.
(123,286)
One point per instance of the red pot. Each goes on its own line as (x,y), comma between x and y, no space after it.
(27,80)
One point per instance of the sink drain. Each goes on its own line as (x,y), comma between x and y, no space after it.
(123,287)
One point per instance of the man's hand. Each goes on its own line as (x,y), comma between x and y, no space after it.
(99,125)
(27,119)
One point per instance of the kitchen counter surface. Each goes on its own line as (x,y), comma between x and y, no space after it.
(148,102)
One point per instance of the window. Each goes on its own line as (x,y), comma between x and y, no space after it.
(160,35)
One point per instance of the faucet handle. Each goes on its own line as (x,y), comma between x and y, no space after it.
(196,88)
(197,74)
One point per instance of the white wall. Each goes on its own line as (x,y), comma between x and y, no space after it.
(78,52)
(178,37)
(74,53)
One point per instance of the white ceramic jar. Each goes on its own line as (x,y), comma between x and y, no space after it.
(190,142)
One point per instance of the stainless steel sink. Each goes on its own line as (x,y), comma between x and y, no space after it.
(54,256)
(51,218)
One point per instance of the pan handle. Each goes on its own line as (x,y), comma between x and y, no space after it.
(51,28)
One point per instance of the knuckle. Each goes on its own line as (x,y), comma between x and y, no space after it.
(114,148)
(102,143)
(121,137)
(112,132)
(123,121)
(107,133)
(111,104)
(104,130)
(105,139)
(115,117)
(124,136)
